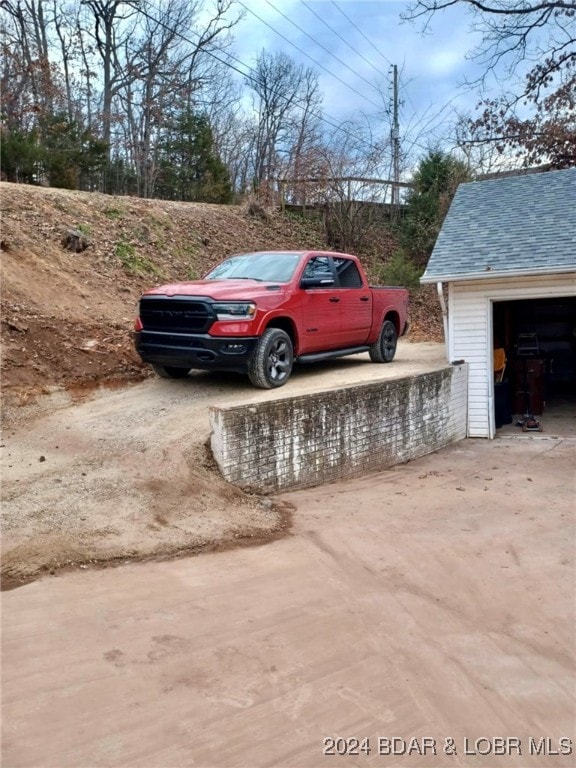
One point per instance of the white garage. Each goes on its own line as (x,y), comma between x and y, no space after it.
(506,258)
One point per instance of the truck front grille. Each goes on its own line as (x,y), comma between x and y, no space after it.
(176,314)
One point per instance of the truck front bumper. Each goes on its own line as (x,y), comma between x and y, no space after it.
(201,351)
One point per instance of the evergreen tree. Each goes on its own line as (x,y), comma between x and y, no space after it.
(190,169)
(435,183)
(58,151)
(20,155)
(68,152)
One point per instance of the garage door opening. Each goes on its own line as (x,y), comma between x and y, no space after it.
(538,339)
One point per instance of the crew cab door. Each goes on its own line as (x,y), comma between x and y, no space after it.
(355,303)
(320,306)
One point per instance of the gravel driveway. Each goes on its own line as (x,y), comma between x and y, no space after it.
(125,473)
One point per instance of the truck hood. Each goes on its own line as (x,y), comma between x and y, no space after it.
(219,289)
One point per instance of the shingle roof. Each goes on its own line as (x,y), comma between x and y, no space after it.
(518,224)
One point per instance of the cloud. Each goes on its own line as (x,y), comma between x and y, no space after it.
(443,63)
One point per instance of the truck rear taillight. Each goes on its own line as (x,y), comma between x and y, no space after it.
(138,324)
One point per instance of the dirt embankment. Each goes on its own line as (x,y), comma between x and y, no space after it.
(67,317)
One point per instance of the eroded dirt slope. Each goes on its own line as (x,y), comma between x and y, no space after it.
(66,317)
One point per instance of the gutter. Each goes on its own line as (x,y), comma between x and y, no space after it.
(439,288)
(493,275)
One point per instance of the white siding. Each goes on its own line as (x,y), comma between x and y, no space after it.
(470,333)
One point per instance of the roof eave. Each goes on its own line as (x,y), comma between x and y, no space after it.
(493,274)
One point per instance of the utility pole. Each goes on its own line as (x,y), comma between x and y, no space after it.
(395,136)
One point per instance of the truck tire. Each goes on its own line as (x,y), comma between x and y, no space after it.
(272,362)
(168,372)
(384,348)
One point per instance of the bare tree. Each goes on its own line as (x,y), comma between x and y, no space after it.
(156,60)
(353,160)
(304,149)
(513,29)
(149,55)
(25,37)
(536,121)
(286,96)
(64,20)
(479,156)
(234,131)
(110,32)
(86,72)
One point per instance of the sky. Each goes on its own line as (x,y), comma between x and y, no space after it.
(432,67)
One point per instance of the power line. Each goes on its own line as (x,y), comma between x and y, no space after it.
(407,91)
(351,88)
(329,52)
(434,117)
(334,31)
(250,77)
(378,51)
(319,116)
(336,126)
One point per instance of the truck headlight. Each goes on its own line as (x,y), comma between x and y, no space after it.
(235,310)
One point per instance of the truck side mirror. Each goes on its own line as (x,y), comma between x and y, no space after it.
(316,282)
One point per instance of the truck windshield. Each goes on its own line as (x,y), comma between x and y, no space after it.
(273,267)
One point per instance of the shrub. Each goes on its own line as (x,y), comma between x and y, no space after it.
(254,208)
(113,213)
(133,262)
(400,270)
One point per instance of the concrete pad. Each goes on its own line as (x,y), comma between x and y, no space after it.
(433,600)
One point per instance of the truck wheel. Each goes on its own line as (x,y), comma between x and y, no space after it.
(168,372)
(384,349)
(271,364)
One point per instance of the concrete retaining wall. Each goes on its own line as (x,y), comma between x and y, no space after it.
(311,439)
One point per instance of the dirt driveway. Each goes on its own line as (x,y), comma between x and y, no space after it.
(435,600)
(125,473)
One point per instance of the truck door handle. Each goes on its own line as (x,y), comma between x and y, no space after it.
(334,299)
(364,298)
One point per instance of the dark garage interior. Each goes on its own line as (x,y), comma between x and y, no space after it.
(538,339)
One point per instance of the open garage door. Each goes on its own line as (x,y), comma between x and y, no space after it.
(538,337)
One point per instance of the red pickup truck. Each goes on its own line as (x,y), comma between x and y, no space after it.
(259,313)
